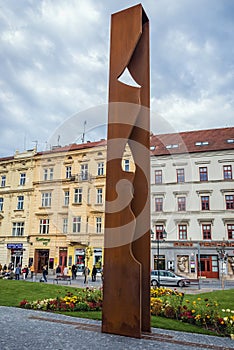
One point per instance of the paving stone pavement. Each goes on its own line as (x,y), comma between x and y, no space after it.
(28,329)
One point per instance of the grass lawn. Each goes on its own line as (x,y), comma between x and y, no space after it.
(12,292)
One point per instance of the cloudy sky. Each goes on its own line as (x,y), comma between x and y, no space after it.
(54,66)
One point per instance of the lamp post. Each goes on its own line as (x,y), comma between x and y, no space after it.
(160,238)
(199,265)
(222,256)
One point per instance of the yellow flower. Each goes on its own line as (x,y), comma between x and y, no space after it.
(199,299)
(193,311)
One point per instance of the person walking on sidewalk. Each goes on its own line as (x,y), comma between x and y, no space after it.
(17,272)
(44,273)
(86,274)
(94,273)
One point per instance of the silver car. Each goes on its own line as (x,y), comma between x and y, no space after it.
(168,278)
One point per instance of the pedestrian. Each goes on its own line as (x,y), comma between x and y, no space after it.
(65,271)
(86,273)
(58,270)
(94,273)
(32,271)
(17,272)
(4,268)
(24,271)
(73,271)
(44,273)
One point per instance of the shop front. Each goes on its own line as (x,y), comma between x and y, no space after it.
(16,253)
(194,259)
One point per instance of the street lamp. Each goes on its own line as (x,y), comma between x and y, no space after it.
(223,255)
(160,238)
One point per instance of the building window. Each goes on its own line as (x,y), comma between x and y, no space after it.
(44,226)
(98,224)
(227,172)
(99,196)
(68,172)
(159,204)
(229,202)
(46,199)
(206,231)
(126,165)
(76,224)
(3,181)
(181,203)
(159,232)
(203,174)
(18,229)
(65,225)
(100,169)
(22,179)
(180,175)
(20,203)
(230,229)
(1,204)
(48,174)
(205,203)
(84,171)
(66,198)
(78,196)
(182,231)
(158,176)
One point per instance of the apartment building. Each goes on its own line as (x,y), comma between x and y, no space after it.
(16,194)
(52,204)
(192,202)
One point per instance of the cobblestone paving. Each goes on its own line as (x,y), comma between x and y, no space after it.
(27,329)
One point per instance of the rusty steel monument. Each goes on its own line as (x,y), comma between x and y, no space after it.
(126,285)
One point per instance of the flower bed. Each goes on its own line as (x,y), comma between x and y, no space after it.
(84,300)
(165,302)
(201,312)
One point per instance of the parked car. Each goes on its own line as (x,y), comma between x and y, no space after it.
(168,278)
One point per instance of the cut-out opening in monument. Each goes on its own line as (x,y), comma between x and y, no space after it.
(127,79)
(128,164)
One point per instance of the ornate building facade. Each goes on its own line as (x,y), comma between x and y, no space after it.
(52,204)
(192,203)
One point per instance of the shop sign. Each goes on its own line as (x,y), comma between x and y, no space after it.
(14,245)
(44,241)
(217,244)
(80,251)
(183,244)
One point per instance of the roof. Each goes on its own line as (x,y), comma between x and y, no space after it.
(74,147)
(193,141)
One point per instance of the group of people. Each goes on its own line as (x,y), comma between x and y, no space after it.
(14,273)
(74,270)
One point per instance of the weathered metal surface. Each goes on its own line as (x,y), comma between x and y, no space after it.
(126,287)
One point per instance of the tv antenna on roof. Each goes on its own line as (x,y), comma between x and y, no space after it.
(83,135)
(36,143)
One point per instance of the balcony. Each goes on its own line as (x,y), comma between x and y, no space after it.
(82,177)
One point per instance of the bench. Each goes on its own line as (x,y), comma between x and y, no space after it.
(62,278)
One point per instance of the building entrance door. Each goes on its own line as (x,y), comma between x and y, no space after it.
(62,257)
(41,259)
(209,266)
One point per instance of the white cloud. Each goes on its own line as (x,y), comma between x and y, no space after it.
(55,62)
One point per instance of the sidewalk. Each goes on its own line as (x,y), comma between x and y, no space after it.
(28,329)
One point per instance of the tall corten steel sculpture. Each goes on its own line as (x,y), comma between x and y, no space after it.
(126,287)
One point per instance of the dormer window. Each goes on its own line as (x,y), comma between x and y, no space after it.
(230,141)
(172,146)
(201,143)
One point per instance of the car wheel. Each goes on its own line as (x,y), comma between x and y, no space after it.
(181,284)
(154,283)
